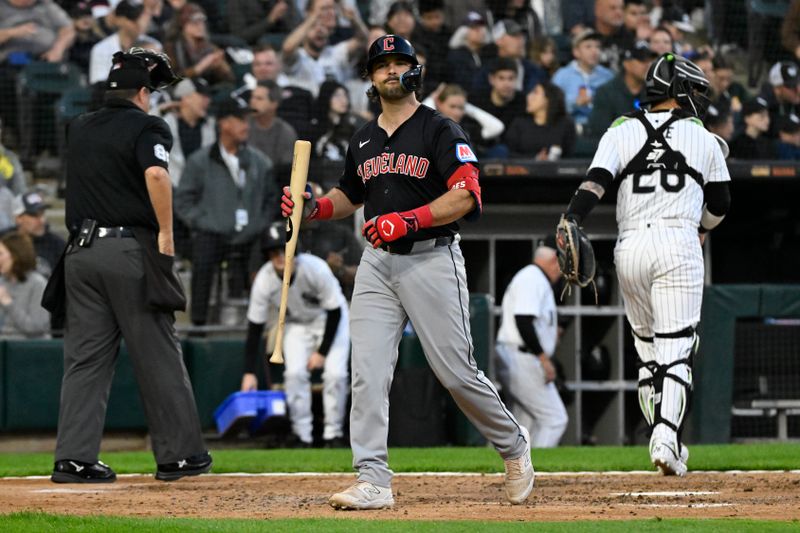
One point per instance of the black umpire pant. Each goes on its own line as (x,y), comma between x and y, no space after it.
(105,303)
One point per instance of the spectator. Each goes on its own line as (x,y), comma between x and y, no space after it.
(358,85)
(308,57)
(34,30)
(521,12)
(623,93)
(725,92)
(191,126)
(543,53)
(509,43)
(296,102)
(580,79)
(464,58)
(546,132)
(400,19)
(334,123)
(550,14)
(503,100)
(781,93)
(719,122)
(129,19)
(30,220)
(790,30)
(661,41)
(483,128)
(753,142)
(789,137)
(432,35)
(21,289)
(156,19)
(227,196)
(11,171)
(87,34)
(190,50)
(270,133)
(251,19)
(456,10)
(677,22)
(609,23)
(637,20)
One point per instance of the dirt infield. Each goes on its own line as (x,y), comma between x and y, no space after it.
(764,495)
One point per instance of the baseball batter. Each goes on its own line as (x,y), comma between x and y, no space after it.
(673,190)
(316,337)
(526,341)
(415,174)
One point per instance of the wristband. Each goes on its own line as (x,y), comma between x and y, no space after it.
(323,210)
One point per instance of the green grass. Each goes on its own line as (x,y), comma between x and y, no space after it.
(45,522)
(572,459)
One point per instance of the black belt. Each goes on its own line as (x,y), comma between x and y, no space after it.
(115,231)
(406,248)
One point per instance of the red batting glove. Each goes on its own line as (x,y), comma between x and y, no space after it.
(287,204)
(393,226)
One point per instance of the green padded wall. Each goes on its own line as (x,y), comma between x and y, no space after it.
(215,368)
(32,382)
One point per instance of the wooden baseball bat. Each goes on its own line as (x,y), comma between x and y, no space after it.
(297,185)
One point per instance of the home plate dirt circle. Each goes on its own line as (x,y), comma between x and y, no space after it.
(568,496)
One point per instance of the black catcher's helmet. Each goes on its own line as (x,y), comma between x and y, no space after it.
(673,76)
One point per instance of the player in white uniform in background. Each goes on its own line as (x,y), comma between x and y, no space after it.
(525,343)
(673,189)
(316,337)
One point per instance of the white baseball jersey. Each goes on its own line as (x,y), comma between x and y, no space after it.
(313,292)
(529,293)
(661,194)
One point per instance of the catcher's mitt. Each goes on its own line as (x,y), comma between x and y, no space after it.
(575,254)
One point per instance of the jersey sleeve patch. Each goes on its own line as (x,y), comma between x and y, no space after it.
(161,153)
(465,154)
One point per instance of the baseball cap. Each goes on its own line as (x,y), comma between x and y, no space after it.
(585,35)
(189,86)
(474,18)
(127,73)
(754,105)
(232,106)
(678,18)
(784,73)
(80,9)
(640,50)
(506,27)
(129,10)
(789,123)
(29,203)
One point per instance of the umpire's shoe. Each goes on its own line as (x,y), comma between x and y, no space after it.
(191,466)
(519,474)
(69,471)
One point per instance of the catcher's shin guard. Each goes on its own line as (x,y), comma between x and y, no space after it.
(671,379)
(647,393)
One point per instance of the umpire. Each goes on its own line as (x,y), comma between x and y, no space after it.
(117,276)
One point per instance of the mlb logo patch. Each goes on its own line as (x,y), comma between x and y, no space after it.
(465,154)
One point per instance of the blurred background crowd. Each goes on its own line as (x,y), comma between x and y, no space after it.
(527,79)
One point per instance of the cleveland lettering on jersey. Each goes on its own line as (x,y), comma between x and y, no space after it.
(387,163)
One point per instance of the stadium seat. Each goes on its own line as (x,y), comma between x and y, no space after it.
(40,84)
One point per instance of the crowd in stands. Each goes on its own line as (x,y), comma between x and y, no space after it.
(538,79)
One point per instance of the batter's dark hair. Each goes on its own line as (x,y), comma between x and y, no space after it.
(23,255)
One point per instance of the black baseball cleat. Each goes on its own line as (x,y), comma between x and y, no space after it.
(69,471)
(191,466)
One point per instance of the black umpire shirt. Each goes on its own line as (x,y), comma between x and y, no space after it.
(407,170)
(107,154)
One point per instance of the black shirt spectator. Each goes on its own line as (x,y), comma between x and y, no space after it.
(545,131)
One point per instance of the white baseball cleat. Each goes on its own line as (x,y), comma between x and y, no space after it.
(519,474)
(362,496)
(666,460)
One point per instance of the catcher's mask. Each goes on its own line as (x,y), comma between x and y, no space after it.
(140,67)
(673,76)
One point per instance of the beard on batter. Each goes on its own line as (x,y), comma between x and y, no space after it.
(392,91)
